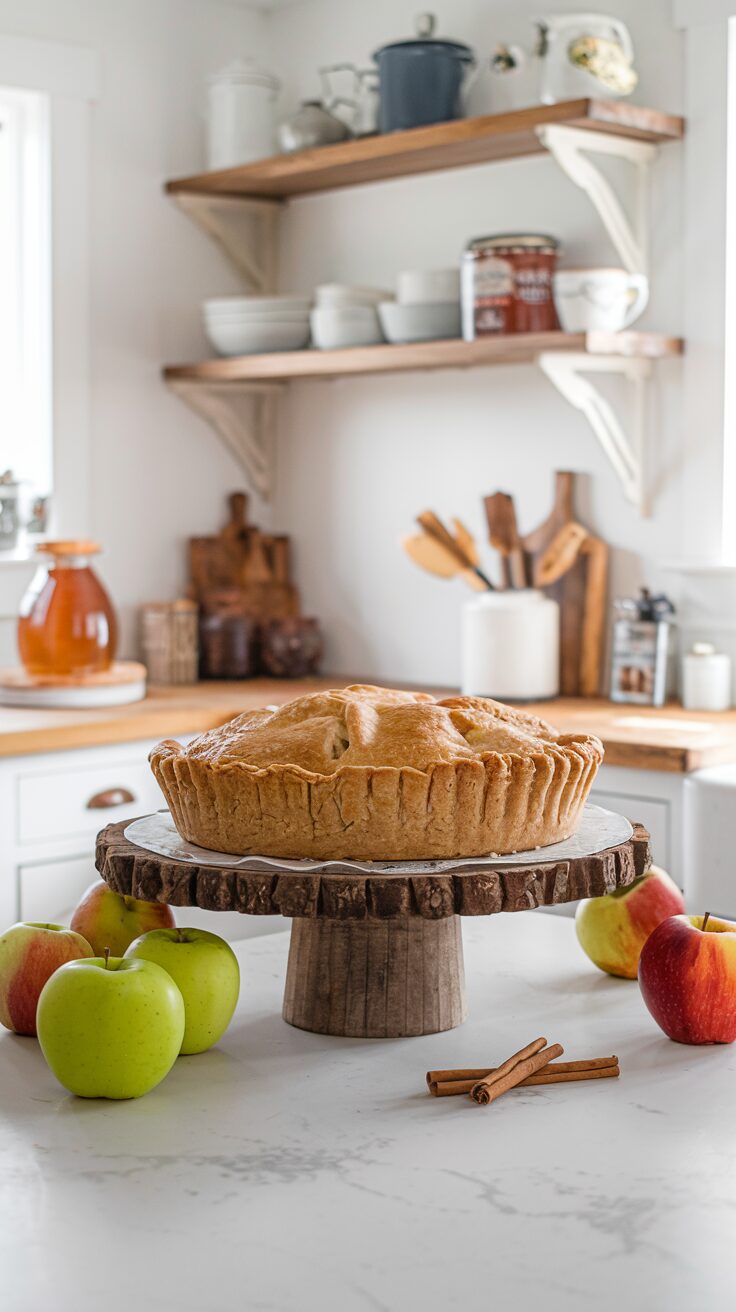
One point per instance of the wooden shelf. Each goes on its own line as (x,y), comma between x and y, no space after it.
(425,150)
(522,348)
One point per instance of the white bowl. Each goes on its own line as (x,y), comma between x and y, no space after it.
(335,328)
(338,294)
(261,316)
(256,304)
(428,286)
(419,323)
(256,338)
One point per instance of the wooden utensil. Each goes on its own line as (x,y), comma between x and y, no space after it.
(503,532)
(580,593)
(560,555)
(434,556)
(434,527)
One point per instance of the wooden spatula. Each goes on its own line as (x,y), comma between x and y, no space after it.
(466,560)
(560,555)
(503,532)
(434,556)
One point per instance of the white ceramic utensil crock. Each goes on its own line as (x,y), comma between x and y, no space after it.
(511,646)
(599,300)
(240,125)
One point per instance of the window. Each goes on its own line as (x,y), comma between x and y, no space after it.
(25,294)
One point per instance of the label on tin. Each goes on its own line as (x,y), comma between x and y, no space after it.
(493,294)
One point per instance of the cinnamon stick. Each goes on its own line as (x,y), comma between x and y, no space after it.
(479,1072)
(513,1071)
(551,1074)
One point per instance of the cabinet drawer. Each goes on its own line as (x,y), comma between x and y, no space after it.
(63,803)
(49,891)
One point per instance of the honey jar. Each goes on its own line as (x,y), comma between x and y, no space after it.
(506,285)
(67,625)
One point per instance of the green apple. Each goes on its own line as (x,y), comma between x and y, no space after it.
(109,1027)
(29,955)
(110,920)
(613,929)
(206,970)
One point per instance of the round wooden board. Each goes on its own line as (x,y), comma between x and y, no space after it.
(132,870)
(372,955)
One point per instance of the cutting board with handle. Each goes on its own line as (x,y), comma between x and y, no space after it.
(241,557)
(581,591)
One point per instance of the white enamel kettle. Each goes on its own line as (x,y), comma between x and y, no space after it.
(584,55)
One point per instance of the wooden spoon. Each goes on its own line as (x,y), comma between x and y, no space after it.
(433,556)
(503,532)
(434,527)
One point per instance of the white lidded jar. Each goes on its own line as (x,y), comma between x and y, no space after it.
(511,646)
(706,679)
(240,120)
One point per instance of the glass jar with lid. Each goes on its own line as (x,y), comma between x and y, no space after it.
(67,625)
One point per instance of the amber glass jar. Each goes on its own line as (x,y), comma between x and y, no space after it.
(67,624)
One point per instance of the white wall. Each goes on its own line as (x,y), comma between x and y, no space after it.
(158,474)
(360,458)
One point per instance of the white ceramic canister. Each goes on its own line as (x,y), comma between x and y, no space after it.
(511,646)
(240,120)
(706,679)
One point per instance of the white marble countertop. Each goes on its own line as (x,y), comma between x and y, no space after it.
(288,1172)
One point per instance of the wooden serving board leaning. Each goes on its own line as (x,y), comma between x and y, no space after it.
(372,955)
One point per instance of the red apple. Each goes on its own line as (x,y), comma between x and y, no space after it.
(29,955)
(613,929)
(687,976)
(110,920)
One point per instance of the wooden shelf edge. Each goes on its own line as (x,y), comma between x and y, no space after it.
(522,348)
(456,144)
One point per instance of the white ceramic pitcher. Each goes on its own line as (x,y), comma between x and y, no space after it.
(561,78)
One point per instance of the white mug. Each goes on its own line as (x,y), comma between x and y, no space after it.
(599,300)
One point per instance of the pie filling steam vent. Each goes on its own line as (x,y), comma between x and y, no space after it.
(378,774)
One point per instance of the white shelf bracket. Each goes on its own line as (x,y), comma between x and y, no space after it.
(244,416)
(246,230)
(569,147)
(624,450)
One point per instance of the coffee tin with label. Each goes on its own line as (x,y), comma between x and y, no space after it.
(507,285)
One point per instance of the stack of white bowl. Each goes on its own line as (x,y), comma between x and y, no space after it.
(427,307)
(252,325)
(346,316)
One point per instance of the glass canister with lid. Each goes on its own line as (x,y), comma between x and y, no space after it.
(507,285)
(67,625)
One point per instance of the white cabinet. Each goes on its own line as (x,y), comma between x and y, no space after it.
(48,891)
(52,806)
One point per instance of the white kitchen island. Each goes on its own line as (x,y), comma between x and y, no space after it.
(288,1172)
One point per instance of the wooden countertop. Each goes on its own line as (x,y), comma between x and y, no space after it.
(642,738)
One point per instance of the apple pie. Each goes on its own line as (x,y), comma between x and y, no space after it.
(379,775)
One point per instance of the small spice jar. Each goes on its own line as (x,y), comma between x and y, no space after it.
(506,285)
(291,648)
(228,637)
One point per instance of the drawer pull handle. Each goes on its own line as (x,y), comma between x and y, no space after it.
(110,797)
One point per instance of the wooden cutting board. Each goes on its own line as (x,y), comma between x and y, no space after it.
(241,557)
(581,594)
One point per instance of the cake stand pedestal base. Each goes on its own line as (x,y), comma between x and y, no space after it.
(375,979)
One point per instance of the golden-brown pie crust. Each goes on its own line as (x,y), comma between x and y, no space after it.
(375,774)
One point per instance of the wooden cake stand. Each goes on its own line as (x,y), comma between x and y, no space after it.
(372,955)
